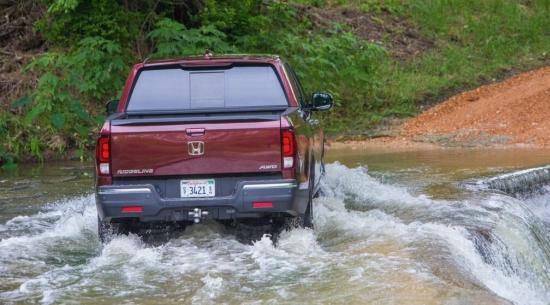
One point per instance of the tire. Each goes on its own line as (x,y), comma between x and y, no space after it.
(303,220)
(308,214)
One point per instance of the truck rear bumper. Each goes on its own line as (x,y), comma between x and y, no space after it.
(143,202)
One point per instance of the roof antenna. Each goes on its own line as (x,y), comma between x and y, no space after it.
(208,54)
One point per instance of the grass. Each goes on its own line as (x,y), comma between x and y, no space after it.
(475,41)
(472,42)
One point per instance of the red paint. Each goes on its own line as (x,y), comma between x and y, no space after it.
(104,180)
(262,204)
(240,147)
(195,131)
(128,87)
(229,147)
(131,209)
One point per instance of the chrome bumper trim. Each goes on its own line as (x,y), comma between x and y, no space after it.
(124,191)
(269,186)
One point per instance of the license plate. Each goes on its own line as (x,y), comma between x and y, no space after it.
(198,188)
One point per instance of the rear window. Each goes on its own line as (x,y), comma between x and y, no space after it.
(179,89)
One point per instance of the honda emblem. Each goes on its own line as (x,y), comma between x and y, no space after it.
(195,148)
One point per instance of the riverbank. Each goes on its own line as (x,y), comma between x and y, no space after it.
(381,60)
(389,228)
(508,114)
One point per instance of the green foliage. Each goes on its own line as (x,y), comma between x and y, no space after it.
(21,102)
(171,39)
(7,161)
(376,6)
(92,43)
(96,67)
(89,74)
(70,21)
(234,18)
(367,6)
(342,65)
(477,40)
(62,6)
(10,145)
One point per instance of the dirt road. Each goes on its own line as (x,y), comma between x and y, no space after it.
(513,112)
(516,110)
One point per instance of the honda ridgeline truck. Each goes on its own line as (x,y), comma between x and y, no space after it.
(230,138)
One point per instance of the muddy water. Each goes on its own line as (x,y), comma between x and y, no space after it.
(390,227)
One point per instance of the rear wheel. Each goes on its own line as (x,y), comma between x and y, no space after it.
(306,220)
(303,220)
(308,214)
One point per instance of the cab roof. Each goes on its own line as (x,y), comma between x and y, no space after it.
(207,60)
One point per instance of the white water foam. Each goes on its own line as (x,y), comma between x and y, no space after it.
(370,239)
(523,280)
(539,203)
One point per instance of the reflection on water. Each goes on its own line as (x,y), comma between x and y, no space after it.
(401,232)
(434,172)
(25,190)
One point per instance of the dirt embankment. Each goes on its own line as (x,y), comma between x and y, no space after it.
(395,33)
(514,112)
(18,44)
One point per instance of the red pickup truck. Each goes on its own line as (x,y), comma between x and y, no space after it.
(229,138)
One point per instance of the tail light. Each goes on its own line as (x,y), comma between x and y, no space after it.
(262,204)
(288,148)
(131,209)
(103,157)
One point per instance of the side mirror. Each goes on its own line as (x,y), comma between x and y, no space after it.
(111,107)
(321,101)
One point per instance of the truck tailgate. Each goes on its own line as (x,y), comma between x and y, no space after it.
(196,148)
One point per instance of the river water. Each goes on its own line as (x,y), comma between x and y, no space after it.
(390,228)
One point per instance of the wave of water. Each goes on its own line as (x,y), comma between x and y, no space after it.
(492,240)
(520,182)
(539,203)
(373,243)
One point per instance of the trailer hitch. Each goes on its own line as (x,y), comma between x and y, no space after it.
(197,214)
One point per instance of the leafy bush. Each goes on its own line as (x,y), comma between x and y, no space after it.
(171,39)
(55,115)
(342,65)
(91,44)
(236,18)
(69,21)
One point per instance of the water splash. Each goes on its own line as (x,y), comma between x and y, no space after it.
(494,239)
(539,203)
(519,182)
(373,242)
